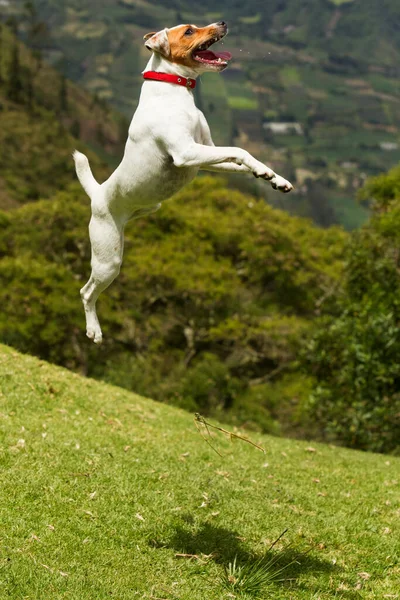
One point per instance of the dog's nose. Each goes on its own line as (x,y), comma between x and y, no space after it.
(222,23)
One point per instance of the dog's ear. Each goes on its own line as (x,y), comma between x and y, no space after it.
(158,42)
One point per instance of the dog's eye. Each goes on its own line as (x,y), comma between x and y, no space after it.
(189,31)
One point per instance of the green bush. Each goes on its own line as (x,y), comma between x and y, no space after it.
(354,353)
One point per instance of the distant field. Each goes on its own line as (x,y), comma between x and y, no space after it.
(242,103)
(349,211)
(251,20)
(290,76)
(289,65)
(214,103)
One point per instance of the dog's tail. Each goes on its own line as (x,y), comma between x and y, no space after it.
(84,173)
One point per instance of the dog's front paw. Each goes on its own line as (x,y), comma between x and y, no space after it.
(263,172)
(281,184)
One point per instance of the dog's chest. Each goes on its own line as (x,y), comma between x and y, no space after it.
(193,124)
(147,174)
(172,108)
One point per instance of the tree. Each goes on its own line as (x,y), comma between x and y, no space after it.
(354,352)
(1,54)
(37,31)
(63,95)
(30,91)
(216,292)
(15,86)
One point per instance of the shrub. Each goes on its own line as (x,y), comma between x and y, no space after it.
(354,353)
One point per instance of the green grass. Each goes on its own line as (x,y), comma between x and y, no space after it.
(384,85)
(253,20)
(242,103)
(254,578)
(290,77)
(101,490)
(349,211)
(240,88)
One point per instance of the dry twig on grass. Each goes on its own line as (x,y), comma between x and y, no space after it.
(199,421)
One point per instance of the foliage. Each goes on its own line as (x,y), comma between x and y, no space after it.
(216,292)
(105,494)
(253,579)
(41,113)
(35,156)
(354,353)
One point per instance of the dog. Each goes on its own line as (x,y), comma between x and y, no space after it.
(169,141)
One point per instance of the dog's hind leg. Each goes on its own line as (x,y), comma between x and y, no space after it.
(144,212)
(106,237)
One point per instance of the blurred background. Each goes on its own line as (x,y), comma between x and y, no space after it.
(229,302)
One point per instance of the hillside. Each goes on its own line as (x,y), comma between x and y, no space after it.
(102,492)
(327,69)
(43,118)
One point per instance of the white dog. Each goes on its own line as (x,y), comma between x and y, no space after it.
(169,141)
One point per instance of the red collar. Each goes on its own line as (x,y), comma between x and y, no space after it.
(188,83)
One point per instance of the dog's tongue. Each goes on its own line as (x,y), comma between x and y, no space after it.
(209,55)
(224,55)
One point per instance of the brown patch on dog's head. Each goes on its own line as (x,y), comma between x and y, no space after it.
(189,45)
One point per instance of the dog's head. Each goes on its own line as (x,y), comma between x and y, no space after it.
(189,45)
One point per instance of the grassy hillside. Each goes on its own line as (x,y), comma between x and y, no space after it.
(102,492)
(43,118)
(328,65)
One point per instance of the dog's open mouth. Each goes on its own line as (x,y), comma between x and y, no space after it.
(204,55)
